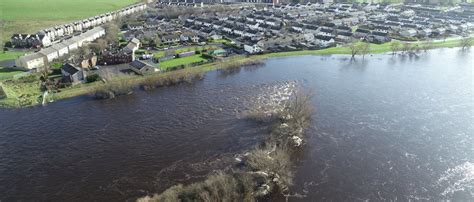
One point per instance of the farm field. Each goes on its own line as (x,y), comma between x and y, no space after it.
(29,16)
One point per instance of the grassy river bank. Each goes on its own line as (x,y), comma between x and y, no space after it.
(25,93)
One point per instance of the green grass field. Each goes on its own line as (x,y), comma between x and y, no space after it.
(374,49)
(9,55)
(180,61)
(29,16)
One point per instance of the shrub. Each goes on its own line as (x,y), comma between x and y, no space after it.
(93,78)
(113,89)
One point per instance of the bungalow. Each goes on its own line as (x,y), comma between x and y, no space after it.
(272,22)
(297,27)
(170,38)
(135,26)
(361,33)
(324,41)
(152,24)
(326,31)
(141,67)
(189,36)
(72,74)
(380,37)
(425,32)
(344,36)
(408,32)
(31,61)
(252,48)
(438,32)
(253,25)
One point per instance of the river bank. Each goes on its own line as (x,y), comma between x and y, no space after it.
(18,100)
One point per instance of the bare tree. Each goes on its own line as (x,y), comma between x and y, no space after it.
(102,44)
(406,48)
(84,51)
(395,46)
(354,49)
(111,33)
(466,42)
(364,49)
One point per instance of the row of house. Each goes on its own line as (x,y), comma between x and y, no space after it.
(46,37)
(46,55)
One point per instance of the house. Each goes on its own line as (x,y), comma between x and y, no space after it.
(324,41)
(170,38)
(380,37)
(252,48)
(216,36)
(89,61)
(408,32)
(344,36)
(135,26)
(151,24)
(71,44)
(361,33)
(218,53)
(132,46)
(309,37)
(61,48)
(31,61)
(141,68)
(30,41)
(425,32)
(49,54)
(189,36)
(72,74)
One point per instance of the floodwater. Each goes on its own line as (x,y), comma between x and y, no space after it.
(385,128)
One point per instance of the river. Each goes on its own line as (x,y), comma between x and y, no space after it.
(386,127)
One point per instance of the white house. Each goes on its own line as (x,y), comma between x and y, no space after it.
(49,53)
(31,61)
(252,49)
(61,48)
(408,32)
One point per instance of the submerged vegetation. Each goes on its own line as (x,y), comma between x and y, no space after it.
(262,171)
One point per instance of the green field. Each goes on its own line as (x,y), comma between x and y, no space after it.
(180,61)
(9,55)
(29,16)
(374,49)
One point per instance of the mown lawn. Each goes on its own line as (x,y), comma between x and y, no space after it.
(29,16)
(181,61)
(8,55)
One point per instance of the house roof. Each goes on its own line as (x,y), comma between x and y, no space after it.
(47,51)
(138,64)
(69,68)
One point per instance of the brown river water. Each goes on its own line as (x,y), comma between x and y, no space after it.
(385,128)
